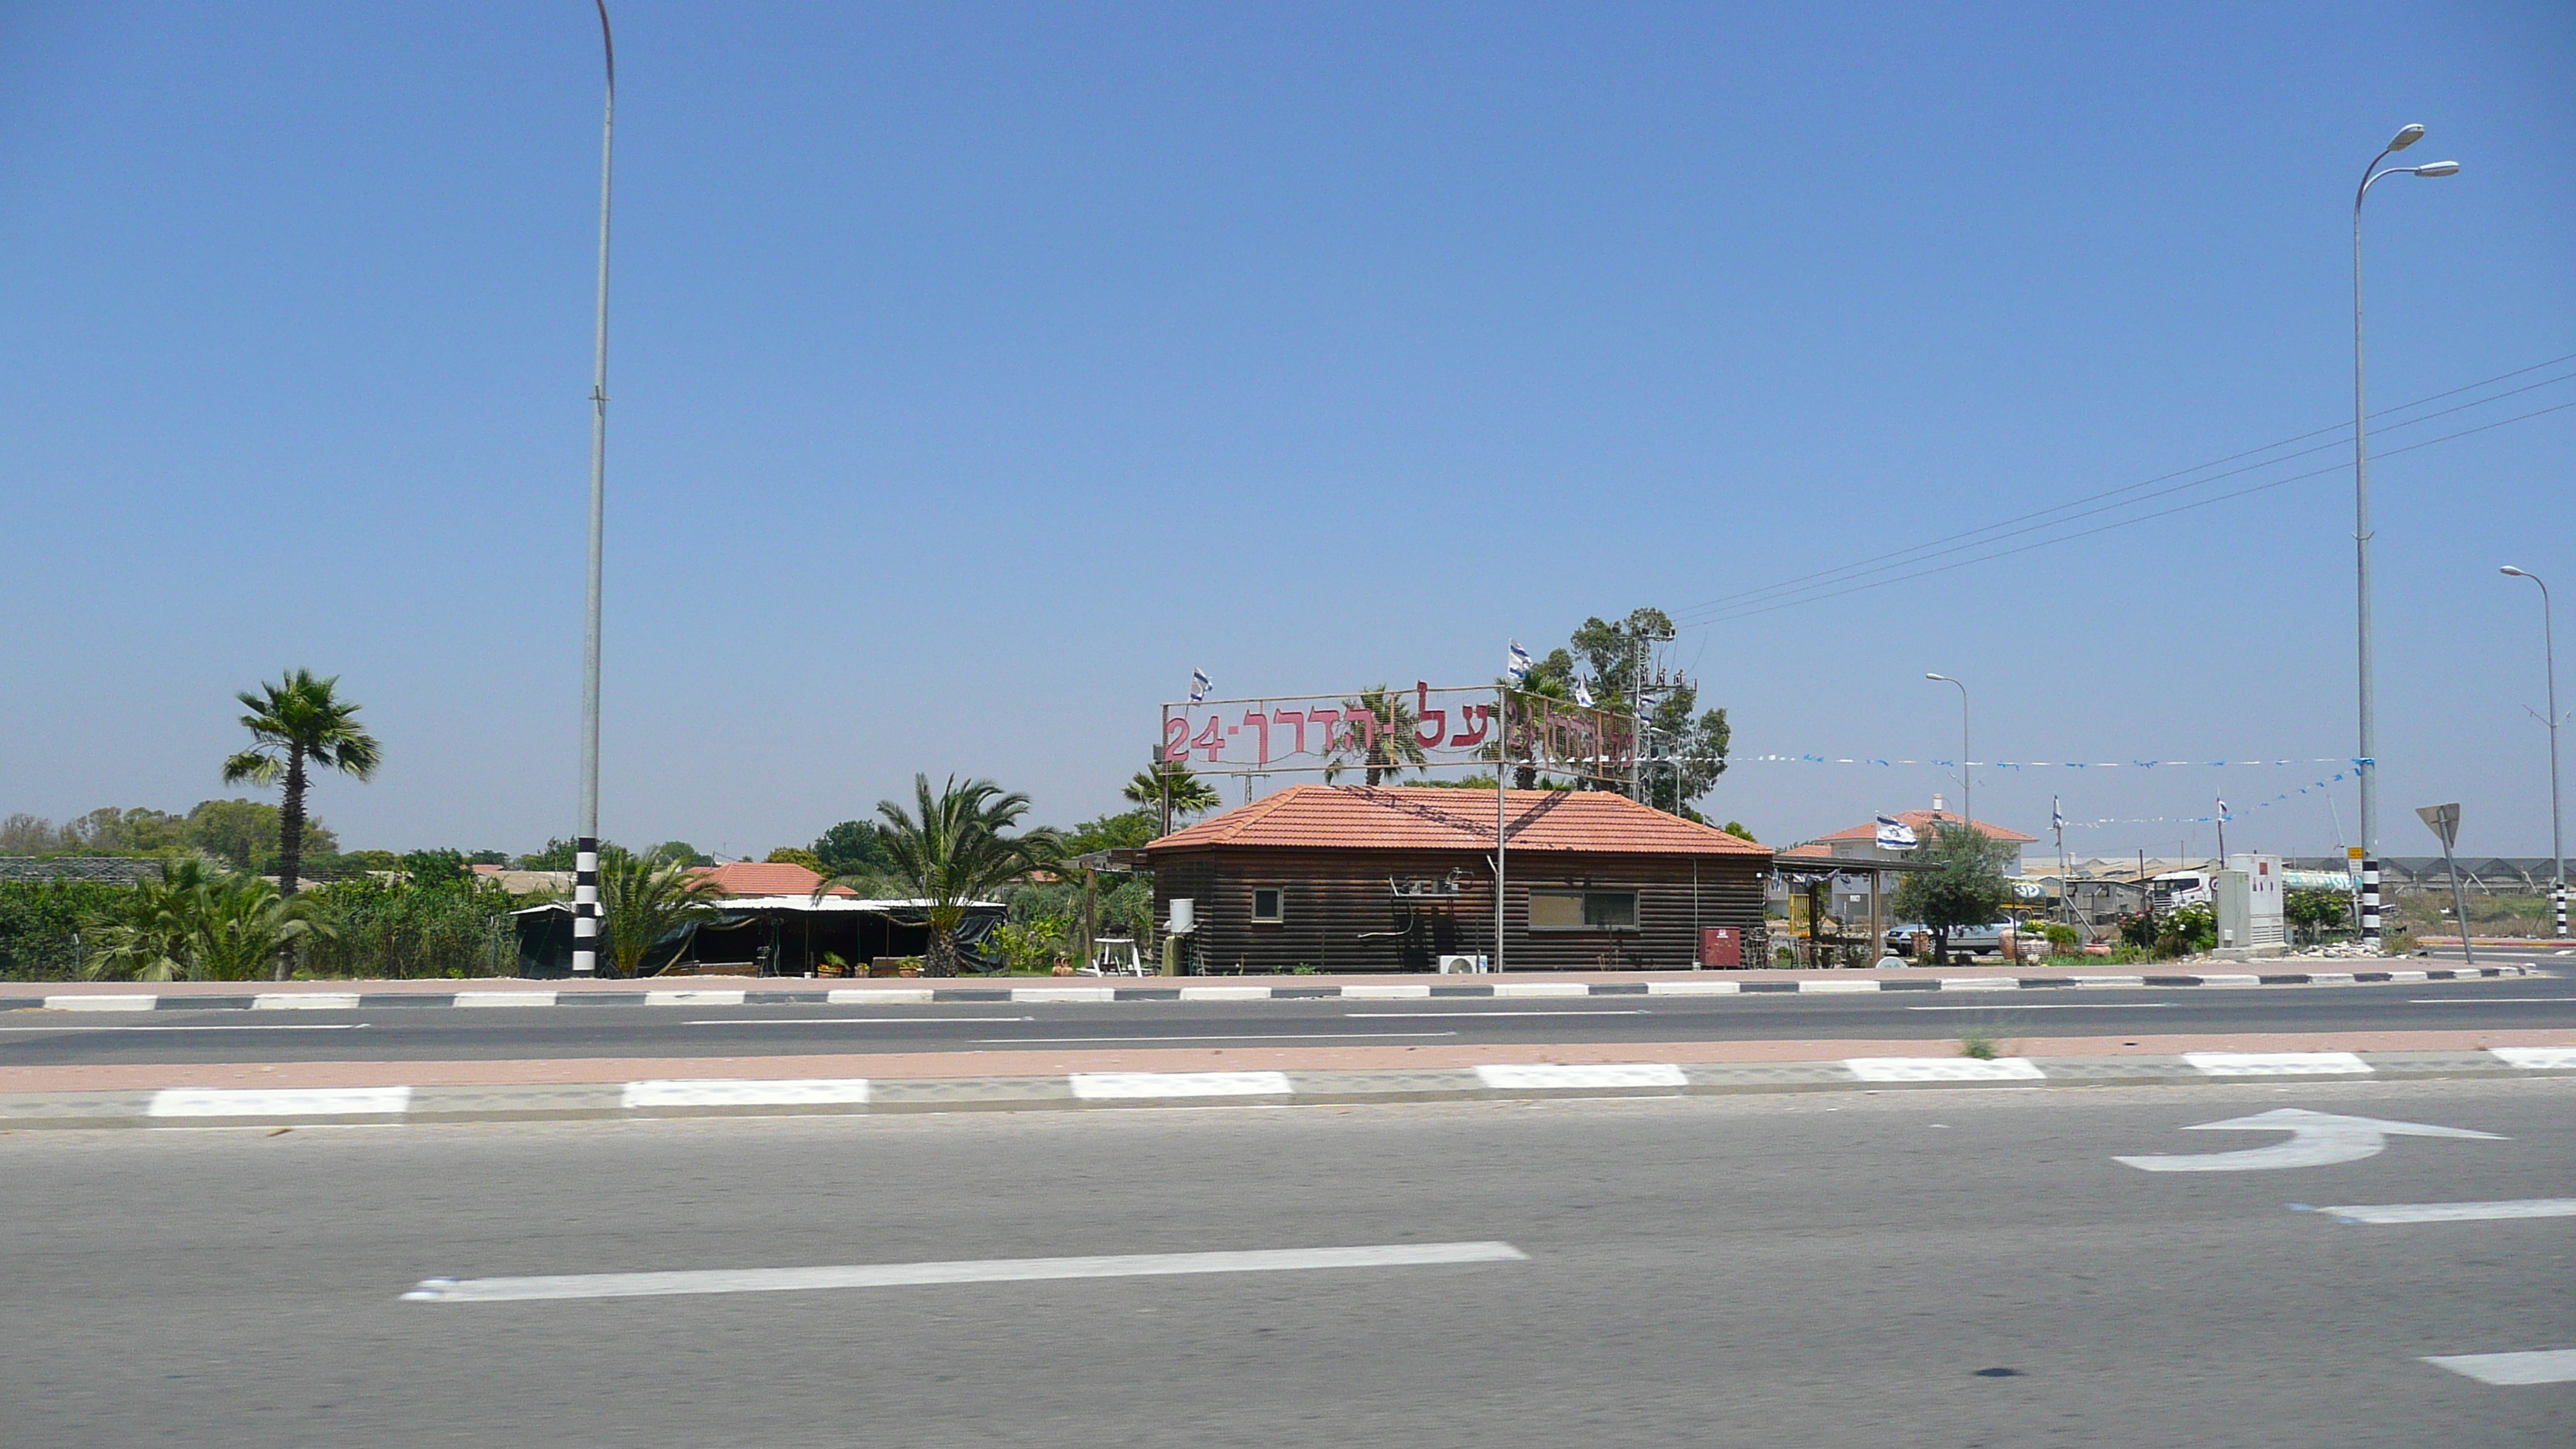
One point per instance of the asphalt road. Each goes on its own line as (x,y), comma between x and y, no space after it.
(448,1034)
(1833,1269)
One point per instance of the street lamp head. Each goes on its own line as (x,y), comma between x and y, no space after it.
(2439,168)
(2512,572)
(1945,679)
(2406,138)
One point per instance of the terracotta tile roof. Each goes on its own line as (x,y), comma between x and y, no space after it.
(765,878)
(1920,819)
(1419,818)
(1807,851)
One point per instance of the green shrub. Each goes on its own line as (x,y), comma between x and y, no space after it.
(406,928)
(2187,930)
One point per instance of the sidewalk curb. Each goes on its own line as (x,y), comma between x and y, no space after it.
(1084,1091)
(521,999)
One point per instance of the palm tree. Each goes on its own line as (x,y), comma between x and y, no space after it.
(646,898)
(192,926)
(956,852)
(1549,681)
(1190,794)
(299,721)
(1381,753)
(147,939)
(242,924)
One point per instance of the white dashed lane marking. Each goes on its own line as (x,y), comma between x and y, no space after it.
(1944,1069)
(2548,1366)
(723,1092)
(2453,1212)
(2059,1006)
(847,1020)
(280,1101)
(1121,1086)
(1479,1015)
(217,1026)
(991,1270)
(1250,1036)
(1538,1076)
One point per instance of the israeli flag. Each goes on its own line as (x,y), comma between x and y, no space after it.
(1582,696)
(1518,666)
(1894,834)
(2222,809)
(1200,684)
(2056,817)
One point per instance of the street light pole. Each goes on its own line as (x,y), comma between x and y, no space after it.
(1967,794)
(2367,762)
(585,891)
(2549,653)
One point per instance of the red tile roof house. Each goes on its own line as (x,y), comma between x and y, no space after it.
(1347,878)
(1850,897)
(1860,842)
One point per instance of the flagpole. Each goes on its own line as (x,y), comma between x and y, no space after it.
(2065,896)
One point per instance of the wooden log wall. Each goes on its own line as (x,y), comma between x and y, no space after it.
(1340,915)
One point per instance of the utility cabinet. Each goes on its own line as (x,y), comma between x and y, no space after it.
(2250,922)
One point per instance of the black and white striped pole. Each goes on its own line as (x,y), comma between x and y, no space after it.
(585,891)
(2370,904)
(2367,760)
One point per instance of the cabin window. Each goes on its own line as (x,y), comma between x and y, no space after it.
(1583,910)
(1268,905)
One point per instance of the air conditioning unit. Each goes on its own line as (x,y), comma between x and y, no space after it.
(1462,965)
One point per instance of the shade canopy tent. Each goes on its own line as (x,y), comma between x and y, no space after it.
(780,935)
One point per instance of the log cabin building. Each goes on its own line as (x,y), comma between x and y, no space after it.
(1343,878)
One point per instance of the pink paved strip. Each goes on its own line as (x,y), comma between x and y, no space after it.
(920,1065)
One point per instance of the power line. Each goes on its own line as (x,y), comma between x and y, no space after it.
(1750,611)
(1730,604)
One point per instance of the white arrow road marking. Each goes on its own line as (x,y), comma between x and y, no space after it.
(993,1270)
(2549,1366)
(2453,1212)
(2316,1139)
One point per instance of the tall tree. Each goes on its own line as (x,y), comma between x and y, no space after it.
(1376,737)
(956,851)
(1966,887)
(1683,749)
(296,724)
(853,847)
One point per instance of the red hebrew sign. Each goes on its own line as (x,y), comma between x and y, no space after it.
(1420,728)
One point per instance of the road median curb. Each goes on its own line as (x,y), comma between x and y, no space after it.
(752,1097)
(701,998)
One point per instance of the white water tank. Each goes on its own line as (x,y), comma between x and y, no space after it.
(1185,916)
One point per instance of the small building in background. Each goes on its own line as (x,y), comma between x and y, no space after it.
(1344,878)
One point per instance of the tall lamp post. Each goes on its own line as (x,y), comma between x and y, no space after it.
(1967,795)
(2367,762)
(2549,653)
(585,891)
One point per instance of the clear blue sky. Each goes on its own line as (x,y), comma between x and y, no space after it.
(978,371)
